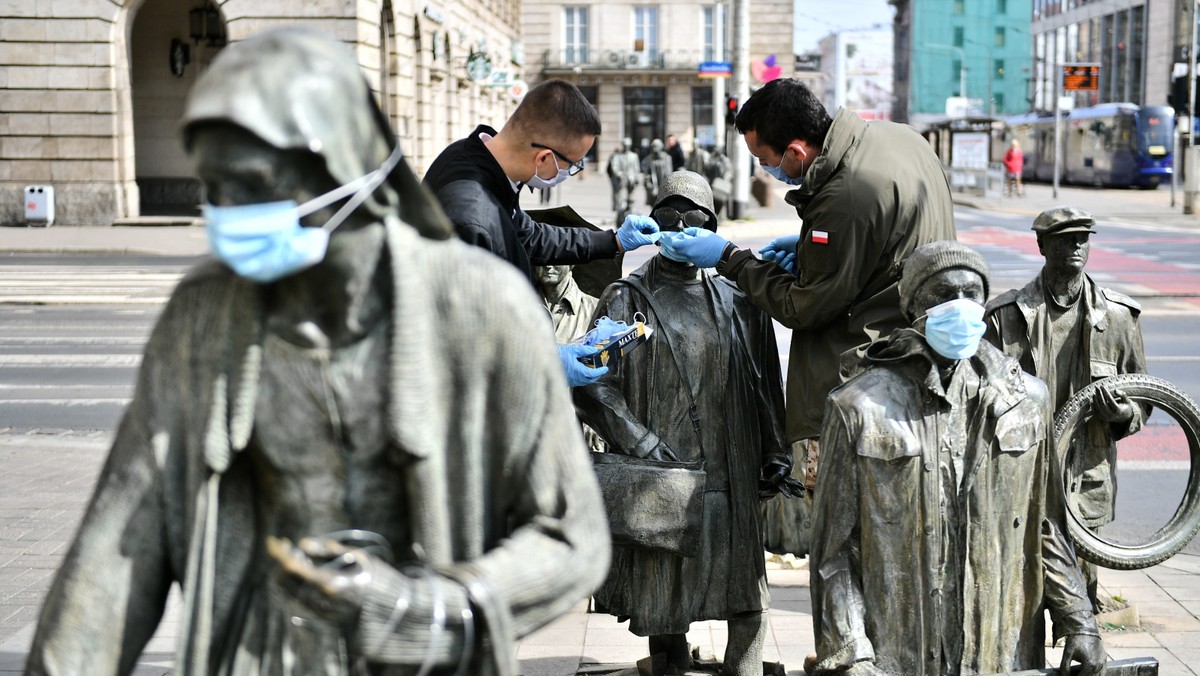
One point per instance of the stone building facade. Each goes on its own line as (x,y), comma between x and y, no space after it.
(91,90)
(638,61)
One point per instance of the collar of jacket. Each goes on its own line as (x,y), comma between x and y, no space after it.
(481,164)
(1032,297)
(412,424)
(1001,379)
(844,134)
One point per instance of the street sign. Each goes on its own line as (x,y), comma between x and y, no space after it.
(715,69)
(1081,77)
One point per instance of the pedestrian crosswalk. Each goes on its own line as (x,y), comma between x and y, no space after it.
(71,365)
(72,330)
(36,284)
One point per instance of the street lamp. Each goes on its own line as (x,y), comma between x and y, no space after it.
(962,65)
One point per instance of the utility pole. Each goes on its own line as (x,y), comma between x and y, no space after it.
(1191,180)
(740,155)
(720,133)
(1057,124)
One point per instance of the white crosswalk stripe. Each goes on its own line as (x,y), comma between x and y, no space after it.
(22,284)
(71,338)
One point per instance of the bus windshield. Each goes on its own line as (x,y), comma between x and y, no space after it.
(1155,130)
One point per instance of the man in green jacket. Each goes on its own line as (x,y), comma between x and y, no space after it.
(868,194)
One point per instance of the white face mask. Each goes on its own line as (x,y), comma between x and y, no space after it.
(543,183)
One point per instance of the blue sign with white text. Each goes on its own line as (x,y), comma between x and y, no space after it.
(715,69)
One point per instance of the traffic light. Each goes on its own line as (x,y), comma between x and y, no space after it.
(731,109)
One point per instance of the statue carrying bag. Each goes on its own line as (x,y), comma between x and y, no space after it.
(655,504)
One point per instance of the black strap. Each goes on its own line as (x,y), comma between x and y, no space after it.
(693,412)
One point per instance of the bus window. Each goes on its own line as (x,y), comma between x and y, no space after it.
(1154,132)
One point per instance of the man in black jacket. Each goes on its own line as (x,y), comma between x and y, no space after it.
(478,181)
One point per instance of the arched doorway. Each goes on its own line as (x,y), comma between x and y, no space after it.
(170,43)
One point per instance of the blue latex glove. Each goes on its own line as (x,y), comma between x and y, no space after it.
(700,247)
(782,252)
(577,373)
(637,231)
(605,329)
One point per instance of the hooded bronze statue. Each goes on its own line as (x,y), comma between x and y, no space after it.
(712,352)
(315,460)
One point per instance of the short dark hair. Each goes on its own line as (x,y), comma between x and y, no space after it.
(782,110)
(553,110)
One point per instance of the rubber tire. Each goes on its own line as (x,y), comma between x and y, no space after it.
(1184,524)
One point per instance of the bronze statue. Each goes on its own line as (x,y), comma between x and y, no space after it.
(940,535)
(328,448)
(707,386)
(623,174)
(569,307)
(656,166)
(1069,331)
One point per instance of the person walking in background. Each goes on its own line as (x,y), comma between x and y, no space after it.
(1014,164)
(676,152)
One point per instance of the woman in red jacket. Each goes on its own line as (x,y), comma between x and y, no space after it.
(1014,162)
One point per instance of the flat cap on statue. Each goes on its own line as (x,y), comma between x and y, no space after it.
(1058,220)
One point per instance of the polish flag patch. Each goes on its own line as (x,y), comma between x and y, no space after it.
(820,237)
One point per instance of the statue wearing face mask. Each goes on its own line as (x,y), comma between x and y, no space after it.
(713,348)
(314,446)
(940,536)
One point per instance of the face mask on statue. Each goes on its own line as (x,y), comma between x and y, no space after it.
(266,242)
(953,329)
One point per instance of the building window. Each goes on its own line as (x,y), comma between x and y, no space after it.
(1002,6)
(645,31)
(645,116)
(959,7)
(702,116)
(708,33)
(1000,38)
(958,36)
(998,69)
(955,73)
(998,101)
(575,34)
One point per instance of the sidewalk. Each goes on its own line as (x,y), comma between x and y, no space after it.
(1146,207)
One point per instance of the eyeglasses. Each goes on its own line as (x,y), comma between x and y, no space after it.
(669,218)
(572,167)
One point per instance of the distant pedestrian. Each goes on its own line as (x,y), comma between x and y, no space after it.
(1014,164)
(678,159)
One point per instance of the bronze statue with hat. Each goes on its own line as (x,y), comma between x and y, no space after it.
(706,390)
(1069,331)
(940,539)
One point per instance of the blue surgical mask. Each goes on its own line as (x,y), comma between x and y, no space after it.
(779,174)
(265,242)
(953,329)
